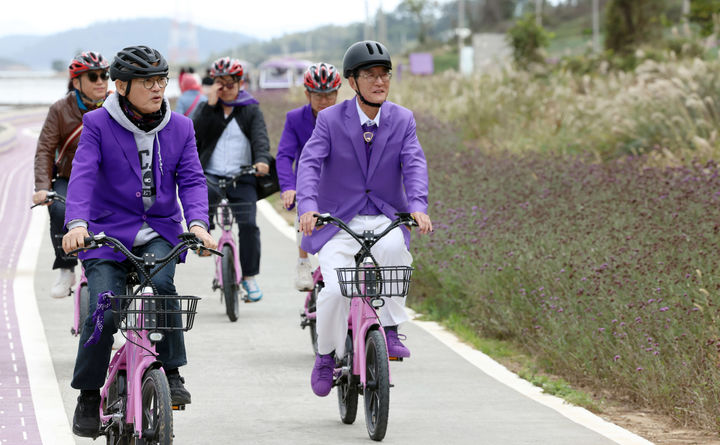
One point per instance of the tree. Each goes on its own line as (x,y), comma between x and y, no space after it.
(422,11)
(527,38)
(702,12)
(629,23)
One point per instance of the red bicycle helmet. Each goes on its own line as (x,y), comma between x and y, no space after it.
(87,61)
(225,66)
(322,78)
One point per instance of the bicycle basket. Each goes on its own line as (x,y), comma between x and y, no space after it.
(154,312)
(385,281)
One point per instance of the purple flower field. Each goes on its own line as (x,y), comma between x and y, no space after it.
(606,272)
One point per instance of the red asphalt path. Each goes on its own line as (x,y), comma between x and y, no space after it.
(18,421)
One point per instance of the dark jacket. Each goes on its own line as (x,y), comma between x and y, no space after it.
(210,123)
(63,117)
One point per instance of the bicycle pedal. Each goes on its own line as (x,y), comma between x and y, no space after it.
(395,359)
(178,407)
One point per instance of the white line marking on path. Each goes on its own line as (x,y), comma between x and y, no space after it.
(492,368)
(49,409)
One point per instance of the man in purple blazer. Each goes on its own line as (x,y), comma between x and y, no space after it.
(362,164)
(133,155)
(322,82)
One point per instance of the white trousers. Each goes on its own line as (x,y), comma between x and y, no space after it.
(332,307)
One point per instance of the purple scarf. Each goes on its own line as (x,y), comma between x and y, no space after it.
(98,317)
(243,98)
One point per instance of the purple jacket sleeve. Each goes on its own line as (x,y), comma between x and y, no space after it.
(414,167)
(86,164)
(311,160)
(287,151)
(191,183)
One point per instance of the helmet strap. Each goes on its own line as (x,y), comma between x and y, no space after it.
(93,103)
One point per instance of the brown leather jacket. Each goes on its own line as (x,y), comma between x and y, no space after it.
(63,118)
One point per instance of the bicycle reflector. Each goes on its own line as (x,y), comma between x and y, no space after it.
(156,336)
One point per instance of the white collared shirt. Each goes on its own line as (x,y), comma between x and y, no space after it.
(363,117)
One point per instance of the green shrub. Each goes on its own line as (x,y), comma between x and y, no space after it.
(528,39)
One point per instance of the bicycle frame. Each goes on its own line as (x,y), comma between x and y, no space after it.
(75,330)
(227,239)
(135,357)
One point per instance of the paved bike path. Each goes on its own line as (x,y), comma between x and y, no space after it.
(250,379)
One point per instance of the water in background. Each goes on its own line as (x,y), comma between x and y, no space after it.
(45,87)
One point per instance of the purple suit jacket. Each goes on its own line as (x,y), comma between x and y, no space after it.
(335,176)
(105,187)
(299,125)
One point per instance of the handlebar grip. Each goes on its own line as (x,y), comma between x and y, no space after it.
(88,240)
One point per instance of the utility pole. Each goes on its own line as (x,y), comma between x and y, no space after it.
(686,17)
(368,31)
(596,25)
(461,25)
(538,12)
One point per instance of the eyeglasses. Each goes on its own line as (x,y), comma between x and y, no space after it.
(369,77)
(227,85)
(160,81)
(320,97)
(93,76)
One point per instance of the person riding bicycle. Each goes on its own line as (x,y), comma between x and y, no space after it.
(322,82)
(134,159)
(57,143)
(231,133)
(362,164)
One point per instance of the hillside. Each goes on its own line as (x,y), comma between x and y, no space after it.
(39,52)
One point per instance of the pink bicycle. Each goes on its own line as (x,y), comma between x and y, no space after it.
(81,296)
(365,368)
(135,403)
(228,271)
(307,315)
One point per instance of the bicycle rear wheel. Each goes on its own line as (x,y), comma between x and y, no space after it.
(83,303)
(116,402)
(230,287)
(157,421)
(347,388)
(377,387)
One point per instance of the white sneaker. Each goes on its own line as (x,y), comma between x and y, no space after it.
(63,285)
(303,276)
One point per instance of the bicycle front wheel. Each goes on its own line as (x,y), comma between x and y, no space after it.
(157,421)
(230,287)
(377,387)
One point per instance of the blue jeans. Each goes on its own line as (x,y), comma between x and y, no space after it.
(57,226)
(92,361)
(243,192)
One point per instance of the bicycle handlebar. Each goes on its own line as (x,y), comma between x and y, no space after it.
(402,219)
(188,240)
(244,170)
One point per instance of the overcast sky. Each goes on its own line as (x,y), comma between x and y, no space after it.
(258,18)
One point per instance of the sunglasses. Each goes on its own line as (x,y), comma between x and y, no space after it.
(93,76)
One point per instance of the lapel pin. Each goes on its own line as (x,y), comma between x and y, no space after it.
(368,136)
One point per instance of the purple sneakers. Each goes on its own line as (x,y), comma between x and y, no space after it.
(321,378)
(394,345)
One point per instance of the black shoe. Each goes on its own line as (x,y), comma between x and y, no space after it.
(86,421)
(178,394)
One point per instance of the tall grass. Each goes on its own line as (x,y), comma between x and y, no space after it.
(663,108)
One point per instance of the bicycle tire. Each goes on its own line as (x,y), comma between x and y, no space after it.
(84,307)
(157,420)
(230,287)
(312,323)
(377,386)
(347,388)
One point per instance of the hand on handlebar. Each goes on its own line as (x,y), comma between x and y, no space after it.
(207,239)
(423,221)
(74,239)
(40,198)
(262,169)
(307,222)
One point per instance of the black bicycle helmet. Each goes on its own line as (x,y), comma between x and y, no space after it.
(138,62)
(365,54)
